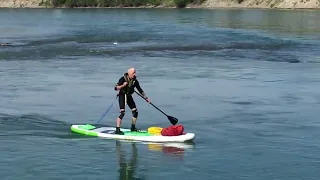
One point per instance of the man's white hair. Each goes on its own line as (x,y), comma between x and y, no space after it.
(131,70)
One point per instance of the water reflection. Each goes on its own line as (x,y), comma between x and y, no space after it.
(176,149)
(128,162)
(127,166)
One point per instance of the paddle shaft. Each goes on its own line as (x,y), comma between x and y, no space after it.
(151,103)
(173,120)
(158,109)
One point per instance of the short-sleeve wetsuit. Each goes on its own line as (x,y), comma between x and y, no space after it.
(128,90)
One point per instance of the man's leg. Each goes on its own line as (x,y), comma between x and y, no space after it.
(134,115)
(122,113)
(134,110)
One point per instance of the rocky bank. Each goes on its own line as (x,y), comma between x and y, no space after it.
(282,4)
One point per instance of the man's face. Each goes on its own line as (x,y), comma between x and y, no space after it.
(132,74)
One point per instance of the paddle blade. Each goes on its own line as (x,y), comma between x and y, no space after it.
(173,120)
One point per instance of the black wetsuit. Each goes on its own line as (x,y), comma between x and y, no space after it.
(128,90)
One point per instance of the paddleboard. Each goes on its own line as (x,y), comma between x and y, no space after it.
(143,135)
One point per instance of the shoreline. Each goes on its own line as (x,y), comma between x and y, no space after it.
(205,8)
(142,7)
(208,4)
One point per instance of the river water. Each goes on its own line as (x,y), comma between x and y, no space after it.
(246,82)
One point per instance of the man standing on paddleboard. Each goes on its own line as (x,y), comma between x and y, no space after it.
(125,86)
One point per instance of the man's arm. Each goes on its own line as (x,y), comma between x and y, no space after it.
(121,84)
(140,89)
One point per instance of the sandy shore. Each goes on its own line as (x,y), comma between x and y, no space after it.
(281,4)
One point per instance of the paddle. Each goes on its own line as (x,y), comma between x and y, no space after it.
(173,120)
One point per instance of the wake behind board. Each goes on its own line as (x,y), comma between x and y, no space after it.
(109,132)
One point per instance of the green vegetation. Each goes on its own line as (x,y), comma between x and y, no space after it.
(119,3)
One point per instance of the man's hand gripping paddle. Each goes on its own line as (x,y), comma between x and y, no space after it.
(173,120)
